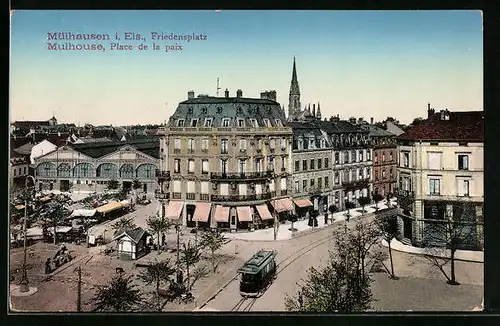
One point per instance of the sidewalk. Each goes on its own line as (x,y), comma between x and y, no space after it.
(464,255)
(284,232)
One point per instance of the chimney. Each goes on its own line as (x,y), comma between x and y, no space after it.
(226,93)
(352,120)
(360,120)
(190,95)
(268,95)
(371,120)
(239,93)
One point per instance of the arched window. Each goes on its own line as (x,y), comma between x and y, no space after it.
(107,170)
(46,170)
(83,170)
(127,171)
(64,170)
(146,171)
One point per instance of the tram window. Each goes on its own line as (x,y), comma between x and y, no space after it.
(248,277)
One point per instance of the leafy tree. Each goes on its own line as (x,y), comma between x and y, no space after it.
(119,295)
(377,198)
(442,238)
(363,201)
(113,184)
(56,215)
(158,225)
(213,240)
(388,226)
(190,255)
(333,209)
(125,224)
(157,273)
(417,120)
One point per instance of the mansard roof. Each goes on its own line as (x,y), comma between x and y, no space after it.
(150,146)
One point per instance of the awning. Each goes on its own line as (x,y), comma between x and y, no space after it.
(244,214)
(83,213)
(283,205)
(45,198)
(111,206)
(174,209)
(303,202)
(125,203)
(264,212)
(202,212)
(19,207)
(222,214)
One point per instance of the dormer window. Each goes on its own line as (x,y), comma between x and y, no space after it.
(278,123)
(323,143)
(241,123)
(204,110)
(254,123)
(219,110)
(194,122)
(180,123)
(225,122)
(190,110)
(239,110)
(208,122)
(267,123)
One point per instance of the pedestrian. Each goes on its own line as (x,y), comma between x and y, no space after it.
(48,268)
(179,277)
(163,239)
(326,218)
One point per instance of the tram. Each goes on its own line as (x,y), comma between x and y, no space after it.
(257,273)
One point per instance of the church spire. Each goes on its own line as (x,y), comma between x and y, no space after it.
(294,95)
(294,87)
(318,112)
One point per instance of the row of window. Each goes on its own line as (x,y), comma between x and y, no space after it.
(85,170)
(375,157)
(243,165)
(320,163)
(204,143)
(17,171)
(322,182)
(226,122)
(353,156)
(204,187)
(309,143)
(435,161)
(383,175)
(435,184)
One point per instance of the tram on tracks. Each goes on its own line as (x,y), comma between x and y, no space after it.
(258,273)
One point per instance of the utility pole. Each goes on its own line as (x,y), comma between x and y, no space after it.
(178,245)
(24,284)
(79,290)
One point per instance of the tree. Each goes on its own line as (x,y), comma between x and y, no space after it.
(125,224)
(442,238)
(119,295)
(157,273)
(341,286)
(213,240)
(113,184)
(333,209)
(56,215)
(363,201)
(158,225)
(388,226)
(377,198)
(417,120)
(190,255)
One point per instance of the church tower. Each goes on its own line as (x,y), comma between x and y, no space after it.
(294,96)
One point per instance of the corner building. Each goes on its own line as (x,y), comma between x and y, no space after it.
(225,162)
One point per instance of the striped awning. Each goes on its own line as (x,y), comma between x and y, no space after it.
(202,212)
(111,206)
(303,202)
(174,209)
(244,214)
(221,214)
(19,207)
(264,212)
(283,205)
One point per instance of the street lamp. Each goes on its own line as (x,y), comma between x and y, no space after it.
(24,284)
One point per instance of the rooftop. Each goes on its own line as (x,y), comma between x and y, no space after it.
(149,146)
(448,126)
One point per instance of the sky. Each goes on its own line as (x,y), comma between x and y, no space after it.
(354,63)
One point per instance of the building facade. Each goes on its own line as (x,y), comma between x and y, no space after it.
(224,160)
(440,172)
(90,167)
(385,158)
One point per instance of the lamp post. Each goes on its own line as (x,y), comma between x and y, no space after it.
(347,214)
(24,284)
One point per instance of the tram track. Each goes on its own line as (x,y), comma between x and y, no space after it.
(287,261)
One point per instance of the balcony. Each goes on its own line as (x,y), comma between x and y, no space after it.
(190,196)
(284,192)
(362,183)
(162,175)
(162,195)
(191,151)
(205,197)
(241,176)
(177,150)
(177,195)
(218,198)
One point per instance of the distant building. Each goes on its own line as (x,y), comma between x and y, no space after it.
(90,166)
(295,110)
(226,161)
(441,169)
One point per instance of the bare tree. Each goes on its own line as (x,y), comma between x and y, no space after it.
(157,273)
(442,238)
(213,240)
(388,227)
